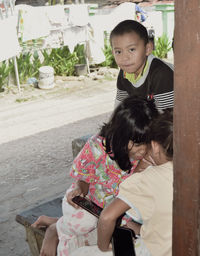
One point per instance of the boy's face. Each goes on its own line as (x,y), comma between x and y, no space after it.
(130,52)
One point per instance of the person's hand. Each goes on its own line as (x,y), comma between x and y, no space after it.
(50,242)
(75,192)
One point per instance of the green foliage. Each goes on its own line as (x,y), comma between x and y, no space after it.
(28,65)
(61,60)
(24,66)
(4,72)
(80,52)
(36,64)
(162,47)
(110,60)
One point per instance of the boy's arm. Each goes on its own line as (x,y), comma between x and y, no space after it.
(107,222)
(163,87)
(121,90)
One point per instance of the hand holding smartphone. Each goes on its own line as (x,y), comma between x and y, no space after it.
(88,205)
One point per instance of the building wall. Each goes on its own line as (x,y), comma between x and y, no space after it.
(156,21)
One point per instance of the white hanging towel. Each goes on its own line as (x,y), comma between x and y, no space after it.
(9,45)
(124,11)
(74,35)
(78,14)
(94,49)
(36,23)
(55,14)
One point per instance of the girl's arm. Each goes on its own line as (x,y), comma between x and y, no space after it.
(107,221)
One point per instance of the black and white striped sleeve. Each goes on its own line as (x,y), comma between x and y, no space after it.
(164,100)
(121,95)
(163,87)
(121,89)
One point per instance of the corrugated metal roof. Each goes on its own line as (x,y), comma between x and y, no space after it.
(140,2)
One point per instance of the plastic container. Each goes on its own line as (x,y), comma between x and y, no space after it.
(81,69)
(46,77)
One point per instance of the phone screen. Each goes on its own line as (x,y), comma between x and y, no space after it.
(122,242)
(88,205)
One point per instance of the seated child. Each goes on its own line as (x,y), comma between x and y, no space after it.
(150,194)
(141,73)
(105,161)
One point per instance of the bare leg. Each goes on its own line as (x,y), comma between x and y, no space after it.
(50,242)
(44,221)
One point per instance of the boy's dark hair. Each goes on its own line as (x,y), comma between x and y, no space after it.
(128,26)
(161,131)
(130,121)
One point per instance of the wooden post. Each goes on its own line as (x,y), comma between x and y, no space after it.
(186,215)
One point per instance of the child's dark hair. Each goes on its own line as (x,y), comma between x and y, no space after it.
(130,121)
(161,131)
(128,26)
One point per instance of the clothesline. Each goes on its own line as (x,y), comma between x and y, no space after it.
(54,27)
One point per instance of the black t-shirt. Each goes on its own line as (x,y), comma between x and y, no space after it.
(156,82)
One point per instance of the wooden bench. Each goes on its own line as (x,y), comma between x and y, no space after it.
(35,236)
(52,208)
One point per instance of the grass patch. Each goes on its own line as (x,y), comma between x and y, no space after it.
(109,77)
(20,100)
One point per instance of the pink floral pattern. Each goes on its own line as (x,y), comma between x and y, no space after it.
(94,166)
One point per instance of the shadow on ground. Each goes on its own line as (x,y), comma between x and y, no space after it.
(33,170)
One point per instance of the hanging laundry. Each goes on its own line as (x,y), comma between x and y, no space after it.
(9,45)
(125,11)
(33,23)
(78,15)
(55,14)
(74,35)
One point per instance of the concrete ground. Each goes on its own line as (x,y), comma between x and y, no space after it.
(35,146)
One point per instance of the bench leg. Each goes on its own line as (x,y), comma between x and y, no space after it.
(34,241)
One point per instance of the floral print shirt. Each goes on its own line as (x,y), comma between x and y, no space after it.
(94,166)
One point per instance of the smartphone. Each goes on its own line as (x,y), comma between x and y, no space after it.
(88,205)
(91,207)
(122,242)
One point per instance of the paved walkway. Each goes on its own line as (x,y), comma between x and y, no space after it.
(24,119)
(35,146)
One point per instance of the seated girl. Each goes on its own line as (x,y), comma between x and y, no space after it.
(106,160)
(149,194)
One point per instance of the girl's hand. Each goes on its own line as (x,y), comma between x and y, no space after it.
(75,192)
(144,163)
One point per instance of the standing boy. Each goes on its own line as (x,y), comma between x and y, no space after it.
(141,73)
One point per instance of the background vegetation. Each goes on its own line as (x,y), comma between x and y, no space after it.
(63,61)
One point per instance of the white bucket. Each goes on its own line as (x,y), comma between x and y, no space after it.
(46,77)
